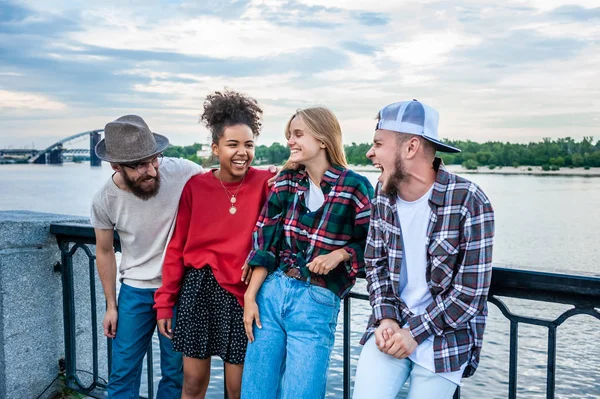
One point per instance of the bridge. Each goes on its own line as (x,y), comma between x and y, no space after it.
(54,153)
(20,155)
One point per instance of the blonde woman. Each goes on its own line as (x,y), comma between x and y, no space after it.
(308,248)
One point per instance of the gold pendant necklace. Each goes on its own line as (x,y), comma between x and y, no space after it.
(232,197)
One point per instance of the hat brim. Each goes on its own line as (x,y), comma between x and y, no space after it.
(441,146)
(161,144)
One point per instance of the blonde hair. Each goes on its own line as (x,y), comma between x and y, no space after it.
(324,126)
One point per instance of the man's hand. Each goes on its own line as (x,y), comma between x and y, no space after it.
(273,169)
(251,315)
(384,331)
(165,327)
(246,273)
(110,323)
(323,264)
(400,344)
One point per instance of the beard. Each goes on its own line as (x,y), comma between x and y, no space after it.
(391,185)
(136,186)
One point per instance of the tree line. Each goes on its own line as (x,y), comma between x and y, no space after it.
(548,153)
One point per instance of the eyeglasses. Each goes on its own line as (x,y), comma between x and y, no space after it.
(142,167)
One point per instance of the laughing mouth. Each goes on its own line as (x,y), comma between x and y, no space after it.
(240,163)
(378,166)
(294,151)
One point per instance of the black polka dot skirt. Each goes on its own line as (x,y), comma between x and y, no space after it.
(210,320)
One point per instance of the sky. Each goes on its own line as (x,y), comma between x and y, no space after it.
(517,70)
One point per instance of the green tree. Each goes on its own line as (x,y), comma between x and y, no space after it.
(559,152)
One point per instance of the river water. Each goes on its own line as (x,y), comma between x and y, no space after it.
(542,223)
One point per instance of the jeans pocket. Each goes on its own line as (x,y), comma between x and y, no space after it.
(323,296)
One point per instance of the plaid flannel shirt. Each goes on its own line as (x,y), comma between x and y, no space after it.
(287,235)
(459,270)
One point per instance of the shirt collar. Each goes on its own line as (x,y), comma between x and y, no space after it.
(440,186)
(330,177)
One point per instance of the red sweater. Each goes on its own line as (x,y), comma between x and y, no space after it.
(206,234)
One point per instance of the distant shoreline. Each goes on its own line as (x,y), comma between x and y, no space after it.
(506,170)
(482,170)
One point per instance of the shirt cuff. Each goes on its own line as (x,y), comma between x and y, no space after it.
(355,266)
(386,311)
(419,328)
(260,258)
(164,313)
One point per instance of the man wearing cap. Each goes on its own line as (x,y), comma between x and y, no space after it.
(139,201)
(429,263)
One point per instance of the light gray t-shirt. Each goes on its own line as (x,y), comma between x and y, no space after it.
(145,227)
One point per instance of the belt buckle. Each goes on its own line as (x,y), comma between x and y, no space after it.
(295,274)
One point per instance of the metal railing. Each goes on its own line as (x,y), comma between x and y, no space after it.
(580,292)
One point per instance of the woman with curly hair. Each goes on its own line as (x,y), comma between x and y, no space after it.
(307,252)
(211,240)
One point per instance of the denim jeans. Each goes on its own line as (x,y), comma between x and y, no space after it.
(290,355)
(381,376)
(135,327)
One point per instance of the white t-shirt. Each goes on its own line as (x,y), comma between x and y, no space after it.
(414,290)
(144,227)
(314,197)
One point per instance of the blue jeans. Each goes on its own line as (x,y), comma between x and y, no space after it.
(290,355)
(381,376)
(135,327)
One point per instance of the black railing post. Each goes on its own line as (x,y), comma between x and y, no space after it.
(94,318)
(150,372)
(66,262)
(346,332)
(512,368)
(551,374)
(224,383)
(109,355)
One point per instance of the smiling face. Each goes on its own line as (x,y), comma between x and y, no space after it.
(304,147)
(385,155)
(235,150)
(142,185)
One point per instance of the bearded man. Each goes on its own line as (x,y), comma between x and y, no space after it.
(140,202)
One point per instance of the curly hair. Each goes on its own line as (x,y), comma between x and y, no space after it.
(229,108)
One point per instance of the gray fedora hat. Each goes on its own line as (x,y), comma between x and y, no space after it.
(128,139)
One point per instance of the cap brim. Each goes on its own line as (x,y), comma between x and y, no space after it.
(441,146)
(161,144)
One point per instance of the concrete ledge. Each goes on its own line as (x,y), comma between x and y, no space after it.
(20,229)
(31,308)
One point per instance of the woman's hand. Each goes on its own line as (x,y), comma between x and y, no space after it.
(275,170)
(251,315)
(323,264)
(164,327)
(246,273)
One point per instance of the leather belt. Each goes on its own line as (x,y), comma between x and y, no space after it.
(295,273)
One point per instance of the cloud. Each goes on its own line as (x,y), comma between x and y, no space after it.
(29,101)
(371,18)
(524,46)
(576,13)
(359,48)
(493,70)
(18,20)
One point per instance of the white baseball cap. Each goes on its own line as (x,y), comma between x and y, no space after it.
(413,117)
